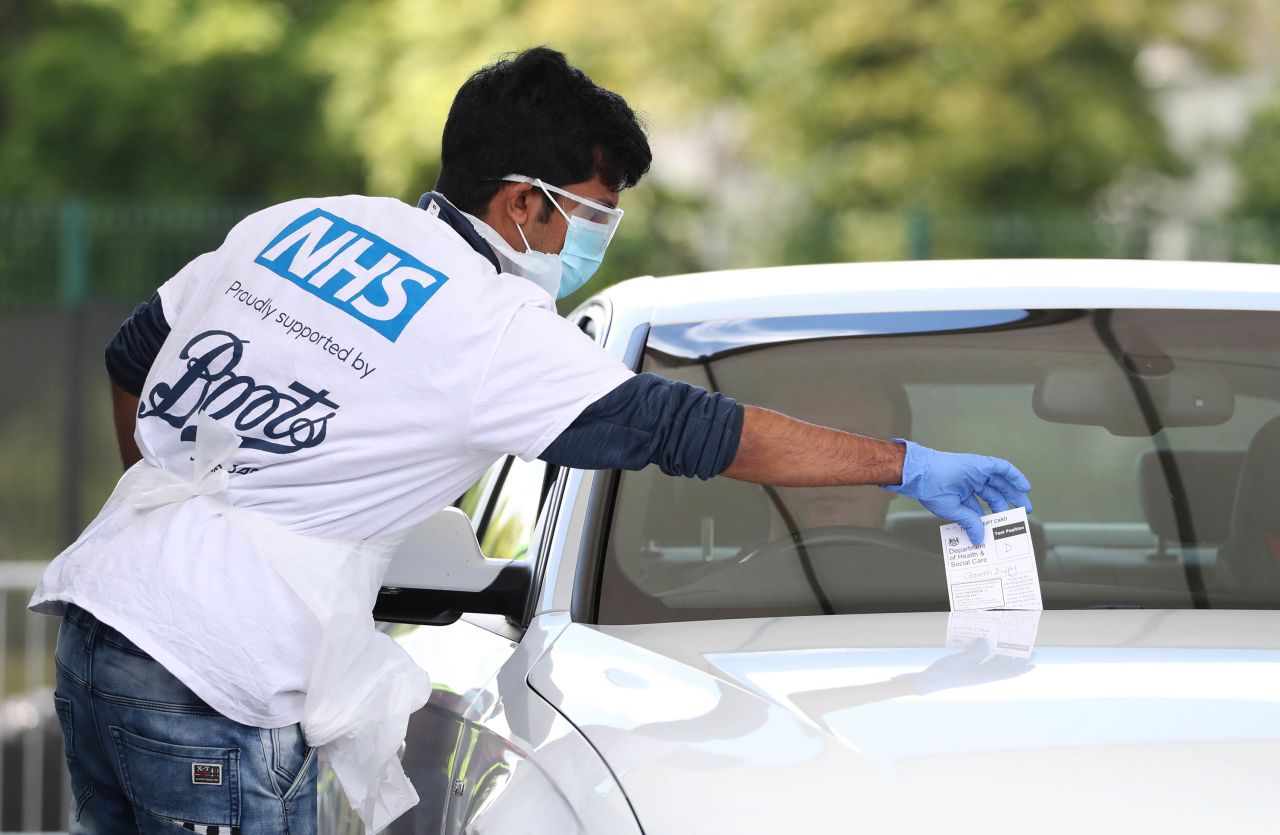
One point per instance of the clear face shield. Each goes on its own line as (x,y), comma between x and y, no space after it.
(591,224)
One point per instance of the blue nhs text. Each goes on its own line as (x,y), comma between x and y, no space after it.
(352,269)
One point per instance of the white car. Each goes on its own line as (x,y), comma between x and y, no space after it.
(642,654)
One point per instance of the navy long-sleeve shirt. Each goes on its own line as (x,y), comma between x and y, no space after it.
(684,429)
(133,349)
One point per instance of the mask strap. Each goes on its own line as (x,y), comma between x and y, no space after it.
(554,201)
(527,248)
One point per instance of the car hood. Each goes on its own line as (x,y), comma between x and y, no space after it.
(1143,720)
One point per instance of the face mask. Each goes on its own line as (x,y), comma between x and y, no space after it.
(542,268)
(581,243)
(591,228)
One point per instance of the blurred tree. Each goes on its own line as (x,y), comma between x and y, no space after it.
(799,116)
(952,104)
(155,98)
(777,126)
(1256,166)
(938,106)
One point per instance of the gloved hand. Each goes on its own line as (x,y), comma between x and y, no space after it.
(949,485)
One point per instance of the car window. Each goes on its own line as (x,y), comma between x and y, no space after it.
(515,509)
(474,502)
(960,417)
(1123,516)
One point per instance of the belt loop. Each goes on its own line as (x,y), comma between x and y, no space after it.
(91,632)
(90,640)
(86,621)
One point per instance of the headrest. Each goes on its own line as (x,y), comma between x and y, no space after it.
(1249,561)
(1257,493)
(920,530)
(1208,491)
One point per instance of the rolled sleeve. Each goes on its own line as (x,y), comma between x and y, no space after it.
(683,429)
(133,349)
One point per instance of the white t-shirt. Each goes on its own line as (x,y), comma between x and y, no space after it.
(374,366)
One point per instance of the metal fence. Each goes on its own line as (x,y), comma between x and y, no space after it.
(70,272)
(34,788)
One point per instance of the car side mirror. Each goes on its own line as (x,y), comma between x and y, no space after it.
(438,573)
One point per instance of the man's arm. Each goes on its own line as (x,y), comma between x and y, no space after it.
(779,450)
(124,411)
(688,431)
(129,357)
(776,449)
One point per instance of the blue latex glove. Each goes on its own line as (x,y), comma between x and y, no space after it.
(949,485)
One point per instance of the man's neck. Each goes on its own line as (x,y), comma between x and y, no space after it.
(463,224)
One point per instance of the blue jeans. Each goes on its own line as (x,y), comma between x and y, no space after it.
(147,756)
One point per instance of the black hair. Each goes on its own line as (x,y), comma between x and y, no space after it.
(535,114)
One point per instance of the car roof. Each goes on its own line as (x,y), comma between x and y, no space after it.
(949,285)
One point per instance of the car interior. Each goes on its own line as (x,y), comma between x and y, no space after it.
(1151,437)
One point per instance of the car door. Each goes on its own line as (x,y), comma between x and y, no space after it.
(450,761)
(441,749)
(459,752)
(484,757)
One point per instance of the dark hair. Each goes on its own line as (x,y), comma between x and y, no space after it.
(535,114)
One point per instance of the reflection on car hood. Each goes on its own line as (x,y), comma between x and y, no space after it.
(1144,720)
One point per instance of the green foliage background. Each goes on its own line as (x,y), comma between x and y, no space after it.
(1256,159)
(813,119)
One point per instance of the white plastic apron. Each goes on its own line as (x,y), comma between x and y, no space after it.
(362,686)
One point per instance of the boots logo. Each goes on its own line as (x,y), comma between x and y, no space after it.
(265,417)
(352,269)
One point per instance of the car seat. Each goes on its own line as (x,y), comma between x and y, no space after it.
(1200,513)
(1249,559)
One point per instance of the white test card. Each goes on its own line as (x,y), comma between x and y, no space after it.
(1000,573)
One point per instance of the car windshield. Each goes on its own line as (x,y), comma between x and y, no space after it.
(1150,436)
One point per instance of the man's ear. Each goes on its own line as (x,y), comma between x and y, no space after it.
(517,201)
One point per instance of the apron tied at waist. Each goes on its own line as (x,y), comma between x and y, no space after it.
(362,685)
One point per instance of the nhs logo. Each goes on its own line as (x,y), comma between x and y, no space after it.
(352,269)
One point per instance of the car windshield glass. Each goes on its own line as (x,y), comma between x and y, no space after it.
(1150,436)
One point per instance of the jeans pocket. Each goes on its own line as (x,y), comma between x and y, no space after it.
(187,785)
(289,757)
(81,786)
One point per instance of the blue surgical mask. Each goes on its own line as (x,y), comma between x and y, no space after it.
(581,255)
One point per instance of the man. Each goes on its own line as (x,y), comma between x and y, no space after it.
(336,372)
